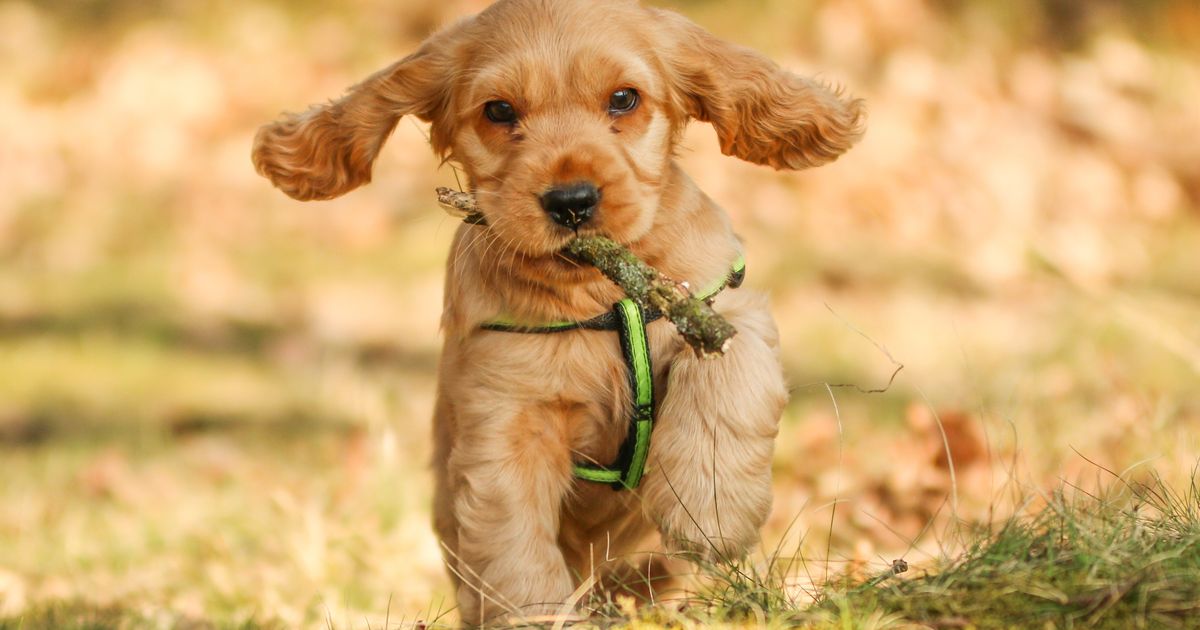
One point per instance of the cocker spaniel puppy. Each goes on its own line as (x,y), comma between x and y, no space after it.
(565,116)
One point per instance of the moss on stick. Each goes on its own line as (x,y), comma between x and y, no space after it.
(701,327)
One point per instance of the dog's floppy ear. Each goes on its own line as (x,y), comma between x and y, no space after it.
(328,150)
(762,113)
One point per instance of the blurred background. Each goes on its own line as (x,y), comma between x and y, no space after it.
(215,401)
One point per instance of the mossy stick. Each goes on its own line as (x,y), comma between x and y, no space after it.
(460,204)
(702,328)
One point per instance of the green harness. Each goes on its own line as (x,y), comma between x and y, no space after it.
(629,320)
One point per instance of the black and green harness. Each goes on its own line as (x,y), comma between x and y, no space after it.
(629,320)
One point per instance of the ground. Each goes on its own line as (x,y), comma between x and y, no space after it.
(215,401)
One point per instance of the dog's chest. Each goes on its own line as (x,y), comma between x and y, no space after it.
(581,375)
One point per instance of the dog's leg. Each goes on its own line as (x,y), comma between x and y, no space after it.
(709,485)
(513,471)
(444,522)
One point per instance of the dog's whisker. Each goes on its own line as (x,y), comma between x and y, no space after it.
(464,250)
(567,259)
(490,241)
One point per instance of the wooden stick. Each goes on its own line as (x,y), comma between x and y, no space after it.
(702,328)
(460,204)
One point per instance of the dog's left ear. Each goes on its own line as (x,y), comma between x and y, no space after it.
(762,113)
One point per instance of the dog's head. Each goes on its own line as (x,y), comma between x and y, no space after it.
(565,115)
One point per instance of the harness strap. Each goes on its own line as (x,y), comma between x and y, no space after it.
(608,320)
(629,320)
(627,470)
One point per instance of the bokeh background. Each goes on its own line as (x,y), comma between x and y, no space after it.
(215,401)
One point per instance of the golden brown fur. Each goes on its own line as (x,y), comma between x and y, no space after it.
(514,411)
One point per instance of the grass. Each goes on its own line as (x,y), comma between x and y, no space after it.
(214,401)
(83,616)
(1127,560)
(1130,562)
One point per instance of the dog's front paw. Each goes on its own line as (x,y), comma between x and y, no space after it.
(715,526)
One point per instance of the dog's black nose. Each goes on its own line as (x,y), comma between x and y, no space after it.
(572,205)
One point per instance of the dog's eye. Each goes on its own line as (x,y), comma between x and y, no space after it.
(500,112)
(623,101)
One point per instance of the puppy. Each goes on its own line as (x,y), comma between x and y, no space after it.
(565,116)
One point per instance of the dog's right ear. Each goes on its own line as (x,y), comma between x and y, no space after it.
(328,150)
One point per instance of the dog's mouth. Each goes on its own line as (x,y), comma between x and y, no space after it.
(570,236)
(562,256)
(535,233)
(563,259)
